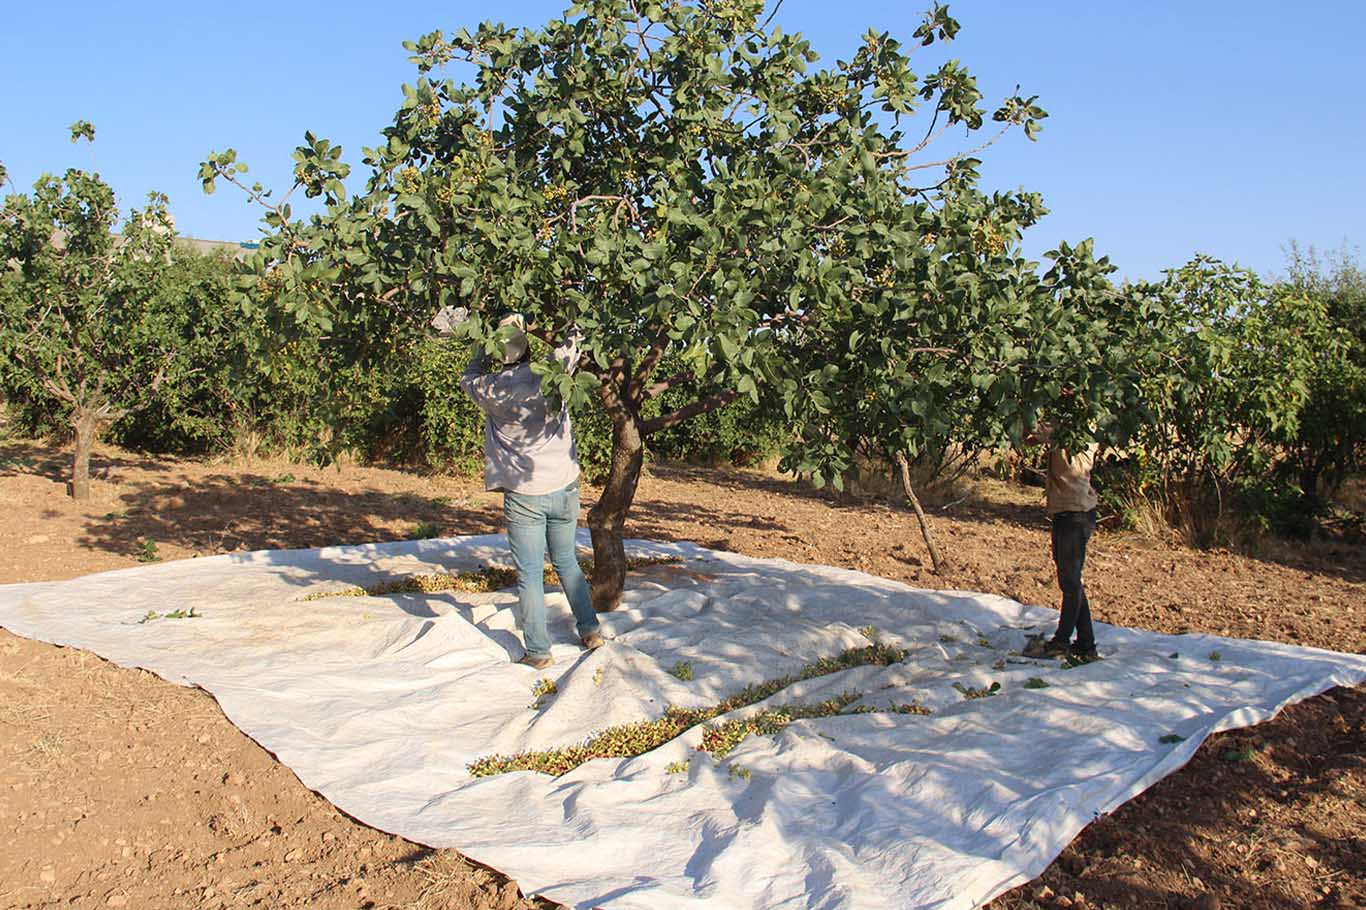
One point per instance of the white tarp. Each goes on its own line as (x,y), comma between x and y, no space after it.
(380,703)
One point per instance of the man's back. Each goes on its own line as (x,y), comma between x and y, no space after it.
(528,440)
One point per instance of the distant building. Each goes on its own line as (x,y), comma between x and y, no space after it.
(236,250)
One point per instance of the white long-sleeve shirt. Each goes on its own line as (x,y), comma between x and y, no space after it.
(529,444)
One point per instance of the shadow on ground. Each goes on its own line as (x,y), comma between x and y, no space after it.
(53,462)
(1337,559)
(217,514)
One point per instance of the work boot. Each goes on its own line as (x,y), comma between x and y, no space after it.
(1076,655)
(1045,649)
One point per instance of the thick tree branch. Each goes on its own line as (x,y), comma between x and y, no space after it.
(651,360)
(687,412)
(107,413)
(59,391)
(60,387)
(659,388)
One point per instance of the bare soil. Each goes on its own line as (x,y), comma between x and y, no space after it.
(118,789)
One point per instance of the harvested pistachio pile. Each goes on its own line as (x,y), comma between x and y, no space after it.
(629,740)
(478,581)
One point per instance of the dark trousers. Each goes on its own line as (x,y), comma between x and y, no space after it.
(1071,531)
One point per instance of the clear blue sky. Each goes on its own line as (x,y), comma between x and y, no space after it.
(1212,126)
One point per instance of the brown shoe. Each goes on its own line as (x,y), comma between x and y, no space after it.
(536,663)
(592,641)
(1044,649)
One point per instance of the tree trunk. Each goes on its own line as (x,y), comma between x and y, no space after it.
(87,430)
(904,469)
(1309,483)
(607,519)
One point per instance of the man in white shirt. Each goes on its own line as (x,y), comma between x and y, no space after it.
(531,458)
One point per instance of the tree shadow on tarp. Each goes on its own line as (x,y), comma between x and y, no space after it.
(1179,816)
(503,638)
(1167,826)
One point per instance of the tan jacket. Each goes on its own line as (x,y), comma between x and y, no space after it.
(1069,481)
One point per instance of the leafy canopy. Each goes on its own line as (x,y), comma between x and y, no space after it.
(82,322)
(676,178)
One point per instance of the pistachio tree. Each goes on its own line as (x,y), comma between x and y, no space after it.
(1241,358)
(83,322)
(1329,444)
(975,347)
(682,180)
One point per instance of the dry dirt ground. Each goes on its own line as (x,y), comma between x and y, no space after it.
(120,790)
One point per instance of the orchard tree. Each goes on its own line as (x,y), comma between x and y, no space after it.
(1241,356)
(1330,443)
(1236,359)
(975,349)
(82,322)
(676,178)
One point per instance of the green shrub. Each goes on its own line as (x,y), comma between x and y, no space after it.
(1329,442)
(1236,360)
(451,425)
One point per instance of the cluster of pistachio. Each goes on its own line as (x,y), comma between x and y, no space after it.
(630,740)
(556,192)
(542,690)
(986,238)
(409,179)
(269,282)
(721,739)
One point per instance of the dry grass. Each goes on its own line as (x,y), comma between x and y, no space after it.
(1147,516)
(24,713)
(1352,496)
(132,696)
(442,873)
(244,446)
(46,753)
(1193,521)
(23,700)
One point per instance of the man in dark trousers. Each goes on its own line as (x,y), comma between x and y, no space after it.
(1071,504)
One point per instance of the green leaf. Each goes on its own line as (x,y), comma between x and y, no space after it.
(83,129)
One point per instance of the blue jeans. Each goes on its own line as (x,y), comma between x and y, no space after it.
(535,523)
